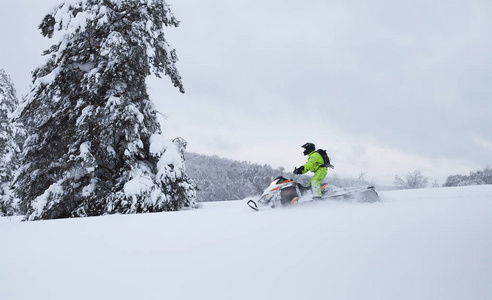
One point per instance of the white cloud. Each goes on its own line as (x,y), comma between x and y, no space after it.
(483,143)
(386,86)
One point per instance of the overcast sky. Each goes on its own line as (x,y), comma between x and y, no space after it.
(387,87)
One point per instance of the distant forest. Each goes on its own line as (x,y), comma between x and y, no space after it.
(220,179)
(475,178)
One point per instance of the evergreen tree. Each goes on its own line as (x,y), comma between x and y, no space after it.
(10,139)
(94,144)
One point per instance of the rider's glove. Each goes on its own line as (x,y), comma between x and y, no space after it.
(298,170)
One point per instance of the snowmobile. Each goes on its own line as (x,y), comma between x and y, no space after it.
(283,191)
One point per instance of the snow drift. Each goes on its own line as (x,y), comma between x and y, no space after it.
(414,244)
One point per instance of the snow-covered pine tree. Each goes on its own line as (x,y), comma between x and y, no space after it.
(94,145)
(10,139)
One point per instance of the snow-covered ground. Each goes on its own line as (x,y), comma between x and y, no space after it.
(415,244)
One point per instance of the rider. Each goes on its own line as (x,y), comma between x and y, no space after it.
(314,164)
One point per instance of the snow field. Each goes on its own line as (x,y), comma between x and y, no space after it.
(415,244)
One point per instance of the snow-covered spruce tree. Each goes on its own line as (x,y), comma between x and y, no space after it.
(94,144)
(10,139)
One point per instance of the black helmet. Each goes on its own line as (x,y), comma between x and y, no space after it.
(308,148)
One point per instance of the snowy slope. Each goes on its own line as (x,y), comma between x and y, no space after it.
(417,244)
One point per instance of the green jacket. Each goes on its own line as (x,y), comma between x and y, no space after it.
(314,162)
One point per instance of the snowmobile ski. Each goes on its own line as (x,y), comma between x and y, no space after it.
(253,205)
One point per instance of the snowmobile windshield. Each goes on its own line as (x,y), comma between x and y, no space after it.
(274,183)
(278,180)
